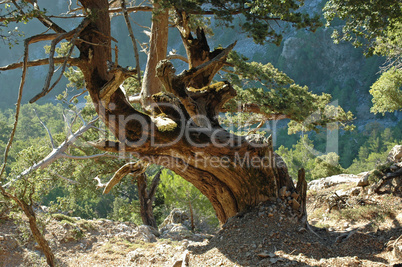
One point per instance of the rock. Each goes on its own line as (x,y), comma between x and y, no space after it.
(282,192)
(10,242)
(177,232)
(273,260)
(364,179)
(295,204)
(342,193)
(122,227)
(184,261)
(146,232)
(294,195)
(302,230)
(397,252)
(266,255)
(176,216)
(323,183)
(355,191)
(394,168)
(1,238)
(395,155)
(135,254)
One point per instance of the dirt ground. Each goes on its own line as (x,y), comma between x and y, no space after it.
(355,229)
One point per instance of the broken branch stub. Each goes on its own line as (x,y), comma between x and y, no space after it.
(135,168)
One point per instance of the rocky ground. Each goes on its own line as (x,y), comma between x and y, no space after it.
(362,232)
(350,224)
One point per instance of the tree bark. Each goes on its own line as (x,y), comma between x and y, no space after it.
(233,172)
(147,198)
(157,51)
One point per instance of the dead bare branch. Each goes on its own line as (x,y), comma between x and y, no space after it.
(27,42)
(47,129)
(256,128)
(133,39)
(99,185)
(72,35)
(41,62)
(134,98)
(90,156)
(180,57)
(77,95)
(55,154)
(131,9)
(64,178)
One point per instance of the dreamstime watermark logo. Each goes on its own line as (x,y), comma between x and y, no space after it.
(165,135)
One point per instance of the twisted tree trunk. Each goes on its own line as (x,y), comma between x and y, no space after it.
(234,172)
(147,198)
(38,236)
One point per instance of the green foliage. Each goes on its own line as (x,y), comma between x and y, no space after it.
(178,193)
(374,151)
(376,25)
(364,22)
(10,13)
(124,210)
(276,94)
(301,155)
(62,217)
(390,44)
(259,18)
(326,165)
(387,92)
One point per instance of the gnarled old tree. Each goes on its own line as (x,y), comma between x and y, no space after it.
(180,122)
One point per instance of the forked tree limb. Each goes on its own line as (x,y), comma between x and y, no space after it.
(55,154)
(200,99)
(209,68)
(72,36)
(175,56)
(47,130)
(120,75)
